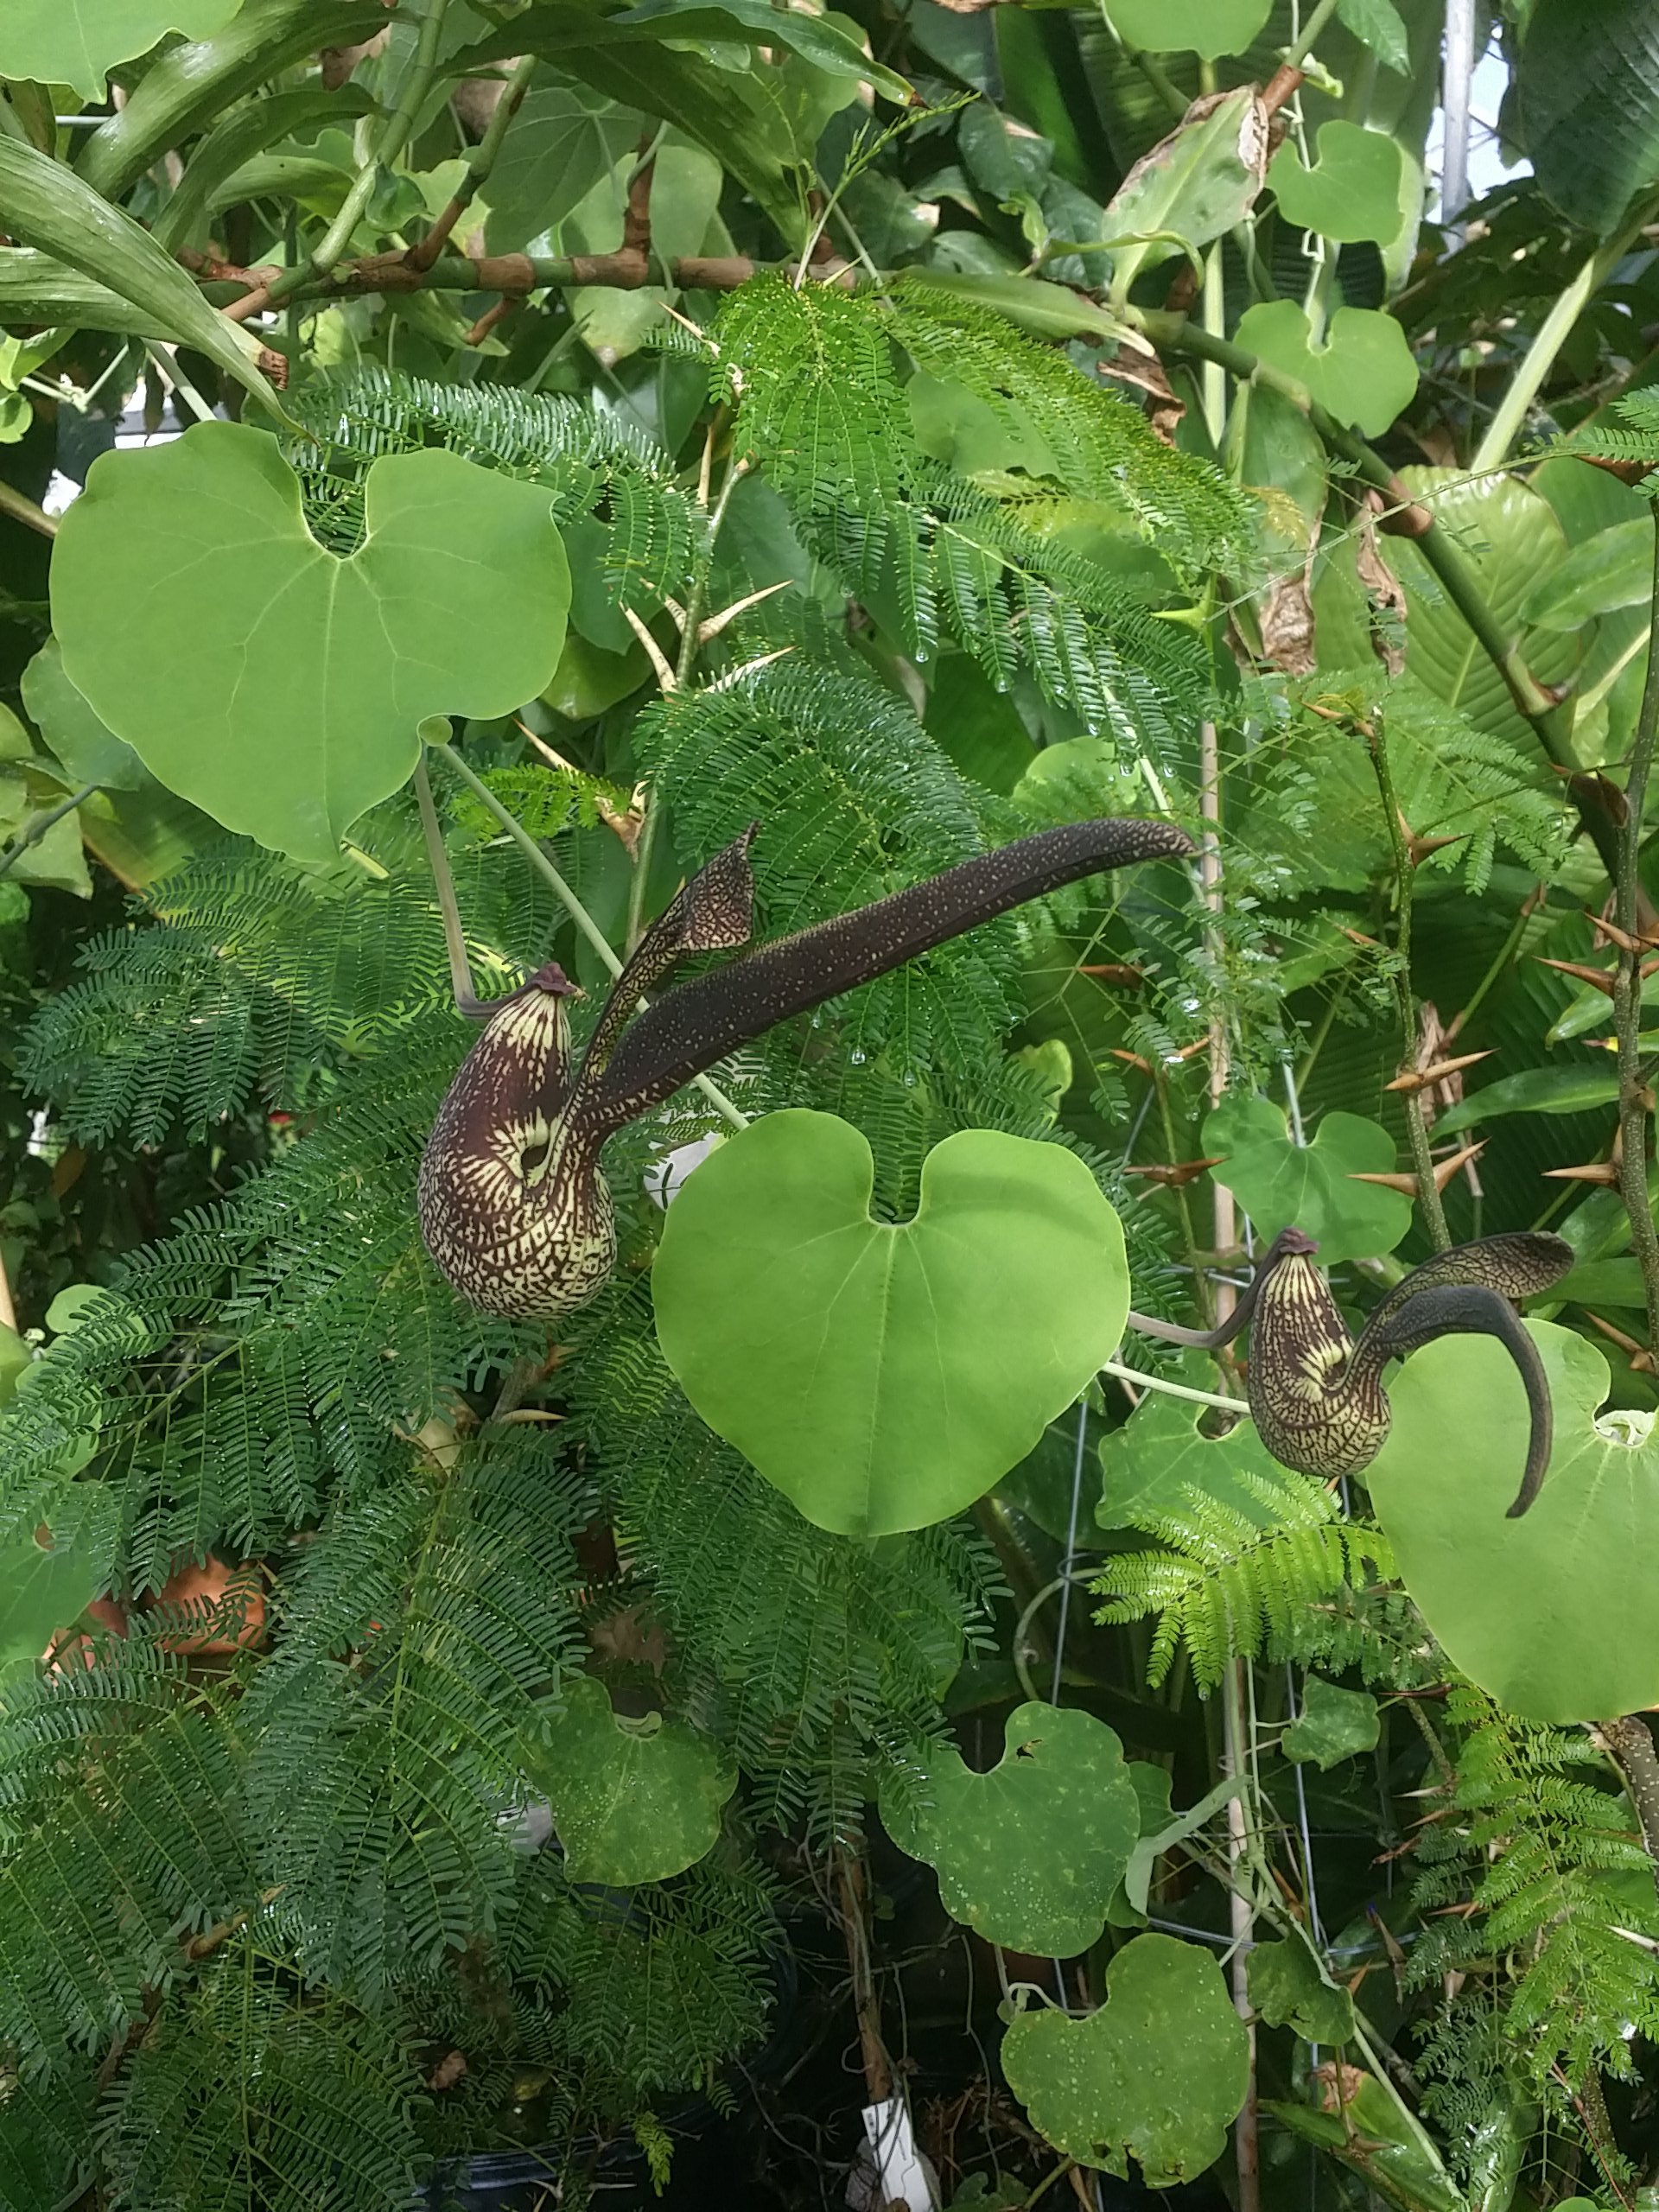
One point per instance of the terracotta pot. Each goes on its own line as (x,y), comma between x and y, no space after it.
(202,1589)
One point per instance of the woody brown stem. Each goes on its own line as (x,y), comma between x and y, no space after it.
(1629,1741)
(852,1883)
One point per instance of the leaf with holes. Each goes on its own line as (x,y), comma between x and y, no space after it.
(1557,1614)
(1334,1724)
(884,1375)
(253,672)
(1159,2072)
(633,1801)
(1031,1854)
(1281,1184)
(78,43)
(1361,370)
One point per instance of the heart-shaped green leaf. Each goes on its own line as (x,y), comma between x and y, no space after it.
(1159,2071)
(78,43)
(882,1375)
(1150,1464)
(1288,1990)
(255,673)
(564,139)
(1030,1853)
(1557,1614)
(1352,191)
(1281,1184)
(1207,28)
(1362,371)
(633,1801)
(1333,1724)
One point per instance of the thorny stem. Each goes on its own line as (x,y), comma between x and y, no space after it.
(696,598)
(855,1931)
(37,825)
(1429,1195)
(579,914)
(1634,1098)
(1550,718)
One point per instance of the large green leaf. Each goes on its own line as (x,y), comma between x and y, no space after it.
(633,1801)
(47,207)
(1352,191)
(254,672)
(1556,1614)
(1361,372)
(1030,1853)
(1509,537)
(77,42)
(1193,187)
(248,131)
(50,1576)
(74,736)
(884,1375)
(1159,2072)
(1207,28)
(1534,1090)
(1161,1456)
(189,88)
(1614,569)
(564,140)
(828,42)
(1587,89)
(1281,1184)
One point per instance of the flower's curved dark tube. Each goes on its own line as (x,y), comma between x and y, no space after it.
(1316,1396)
(514,1208)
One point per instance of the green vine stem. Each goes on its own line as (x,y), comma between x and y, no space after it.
(1429,1195)
(392,137)
(37,825)
(1635,1100)
(579,914)
(480,164)
(1172,1389)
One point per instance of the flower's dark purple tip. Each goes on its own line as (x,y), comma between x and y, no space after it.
(1297,1240)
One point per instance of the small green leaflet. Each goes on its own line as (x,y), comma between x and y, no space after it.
(1159,2072)
(254,672)
(1031,1854)
(1379,24)
(883,1375)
